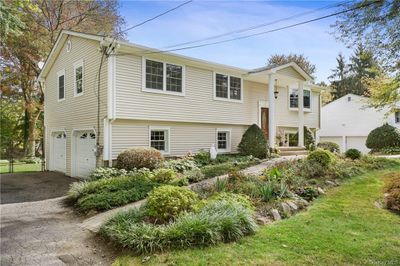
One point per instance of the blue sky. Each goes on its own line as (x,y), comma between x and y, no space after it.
(201,19)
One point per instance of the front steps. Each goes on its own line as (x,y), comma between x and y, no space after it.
(287,151)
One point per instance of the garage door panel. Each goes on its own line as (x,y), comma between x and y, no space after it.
(337,140)
(58,152)
(357,143)
(85,159)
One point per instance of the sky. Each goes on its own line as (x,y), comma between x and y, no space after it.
(202,19)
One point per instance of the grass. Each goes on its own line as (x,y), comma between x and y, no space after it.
(343,228)
(21,168)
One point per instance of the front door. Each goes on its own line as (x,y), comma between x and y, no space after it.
(265,121)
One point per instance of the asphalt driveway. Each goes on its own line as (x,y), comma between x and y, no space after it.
(26,187)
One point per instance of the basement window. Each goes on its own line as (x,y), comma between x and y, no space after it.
(223,140)
(159,139)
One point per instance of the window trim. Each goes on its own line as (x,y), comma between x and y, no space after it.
(59,74)
(168,140)
(396,112)
(76,65)
(229,144)
(229,88)
(307,110)
(164,90)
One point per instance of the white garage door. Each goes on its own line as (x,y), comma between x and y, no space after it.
(85,159)
(357,143)
(337,140)
(58,152)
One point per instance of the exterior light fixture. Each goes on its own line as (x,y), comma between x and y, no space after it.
(276,92)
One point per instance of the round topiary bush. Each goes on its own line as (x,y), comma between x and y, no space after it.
(166,202)
(383,137)
(322,157)
(254,143)
(353,154)
(329,146)
(137,158)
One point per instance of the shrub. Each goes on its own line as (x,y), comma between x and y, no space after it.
(106,172)
(310,169)
(232,198)
(309,141)
(353,154)
(391,150)
(392,188)
(383,137)
(181,165)
(31,160)
(202,157)
(254,143)
(194,175)
(164,176)
(329,146)
(217,221)
(308,193)
(137,158)
(166,202)
(321,157)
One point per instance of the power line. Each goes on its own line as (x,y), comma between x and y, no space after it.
(257,26)
(153,18)
(265,32)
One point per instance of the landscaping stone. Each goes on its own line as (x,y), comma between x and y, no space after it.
(303,202)
(330,183)
(262,220)
(320,191)
(276,215)
(285,208)
(293,205)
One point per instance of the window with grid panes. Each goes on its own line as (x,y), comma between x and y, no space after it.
(158,139)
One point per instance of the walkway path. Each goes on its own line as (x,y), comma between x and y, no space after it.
(94,223)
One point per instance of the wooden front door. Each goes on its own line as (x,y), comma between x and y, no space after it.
(265,121)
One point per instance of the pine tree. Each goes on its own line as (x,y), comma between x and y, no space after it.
(340,79)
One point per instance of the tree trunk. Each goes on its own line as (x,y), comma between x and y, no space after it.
(31,143)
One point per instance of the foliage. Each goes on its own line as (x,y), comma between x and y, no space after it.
(383,92)
(272,190)
(392,189)
(232,198)
(329,146)
(214,170)
(221,185)
(391,150)
(164,176)
(308,193)
(383,137)
(353,154)
(309,141)
(166,202)
(181,165)
(300,59)
(321,157)
(104,194)
(137,158)
(202,158)
(254,143)
(218,221)
(106,172)
(194,175)
(376,163)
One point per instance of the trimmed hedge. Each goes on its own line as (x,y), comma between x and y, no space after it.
(382,137)
(254,143)
(137,158)
(321,157)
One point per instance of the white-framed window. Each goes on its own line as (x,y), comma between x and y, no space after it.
(223,140)
(61,85)
(159,139)
(397,117)
(294,99)
(163,77)
(78,78)
(228,88)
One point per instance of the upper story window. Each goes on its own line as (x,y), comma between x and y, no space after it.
(397,116)
(61,85)
(294,99)
(228,87)
(78,78)
(163,77)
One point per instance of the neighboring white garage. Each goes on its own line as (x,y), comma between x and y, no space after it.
(83,153)
(357,143)
(58,147)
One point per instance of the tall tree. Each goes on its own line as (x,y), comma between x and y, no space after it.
(340,82)
(377,27)
(44,19)
(300,59)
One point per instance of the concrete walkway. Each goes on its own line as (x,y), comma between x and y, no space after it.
(94,223)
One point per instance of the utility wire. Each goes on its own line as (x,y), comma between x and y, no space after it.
(258,26)
(266,32)
(153,18)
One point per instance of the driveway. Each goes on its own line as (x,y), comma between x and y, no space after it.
(25,187)
(45,232)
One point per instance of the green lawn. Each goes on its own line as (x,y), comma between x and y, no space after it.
(342,228)
(20,168)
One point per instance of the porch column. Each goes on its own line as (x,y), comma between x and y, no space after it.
(301,113)
(271,111)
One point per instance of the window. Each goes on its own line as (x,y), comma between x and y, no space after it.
(159,139)
(397,116)
(294,99)
(223,140)
(163,77)
(228,87)
(61,85)
(78,78)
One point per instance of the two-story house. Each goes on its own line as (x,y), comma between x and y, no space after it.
(103,96)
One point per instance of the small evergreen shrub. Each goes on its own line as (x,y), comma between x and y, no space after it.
(392,189)
(329,146)
(321,157)
(164,176)
(202,157)
(106,172)
(137,158)
(353,154)
(254,143)
(383,137)
(166,202)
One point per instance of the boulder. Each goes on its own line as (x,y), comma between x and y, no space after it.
(285,208)
(293,205)
(275,214)
(262,220)
(320,191)
(330,183)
